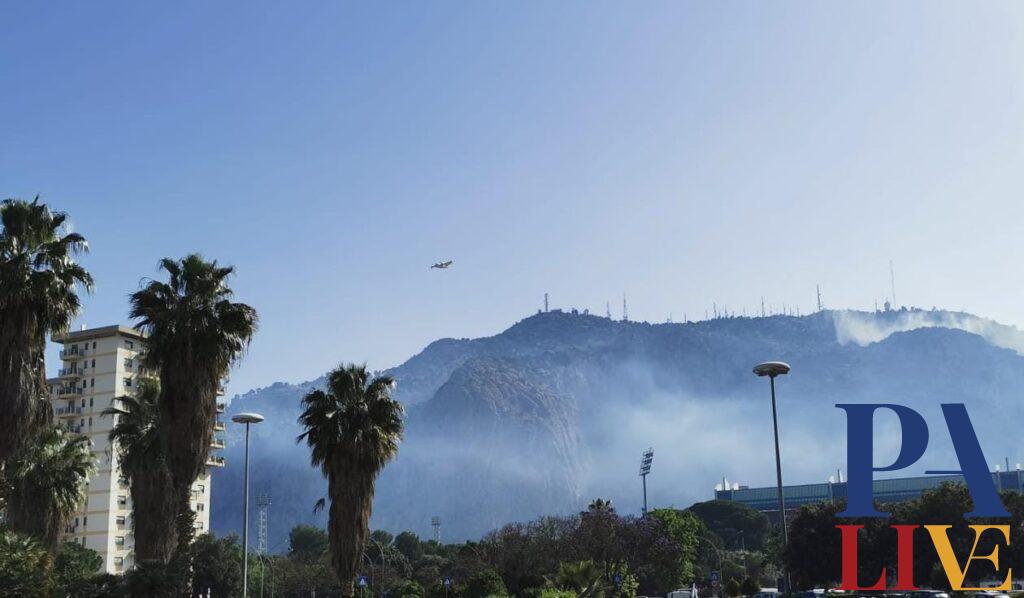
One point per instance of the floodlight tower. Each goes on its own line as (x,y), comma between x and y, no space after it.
(262,515)
(435,522)
(645,468)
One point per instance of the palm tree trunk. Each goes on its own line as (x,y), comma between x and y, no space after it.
(155,511)
(351,495)
(23,405)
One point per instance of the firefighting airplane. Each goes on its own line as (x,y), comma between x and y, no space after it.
(442,265)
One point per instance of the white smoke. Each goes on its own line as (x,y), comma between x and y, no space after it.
(864,328)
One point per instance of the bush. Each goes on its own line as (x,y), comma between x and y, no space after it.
(409,589)
(25,567)
(483,584)
(732,587)
(553,593)
(749,587)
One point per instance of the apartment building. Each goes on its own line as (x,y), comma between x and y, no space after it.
(98,365)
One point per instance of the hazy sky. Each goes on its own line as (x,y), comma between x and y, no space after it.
(684,153)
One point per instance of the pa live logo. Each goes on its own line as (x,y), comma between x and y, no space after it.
(860,503)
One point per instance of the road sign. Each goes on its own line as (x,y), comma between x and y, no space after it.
(714,578)
(362,581)
(618,580)
(447,582)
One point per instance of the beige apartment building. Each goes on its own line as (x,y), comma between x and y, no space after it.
(97,365)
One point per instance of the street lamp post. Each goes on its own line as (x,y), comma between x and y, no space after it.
(773,369)
(248,419)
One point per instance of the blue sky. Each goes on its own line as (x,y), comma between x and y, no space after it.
(683,153)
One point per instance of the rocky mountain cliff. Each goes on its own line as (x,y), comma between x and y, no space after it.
(556,410)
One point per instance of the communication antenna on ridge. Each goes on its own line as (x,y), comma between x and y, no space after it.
(435,522)
(608,309)
(818,288)
(545,303)
(892,281)
(625,310)
(762,306)
(263,508)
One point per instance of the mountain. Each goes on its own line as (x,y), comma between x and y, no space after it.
(556,411)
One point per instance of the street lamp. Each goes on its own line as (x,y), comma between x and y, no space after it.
(773,369)
(248,419)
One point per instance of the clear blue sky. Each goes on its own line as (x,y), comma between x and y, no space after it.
(681,152)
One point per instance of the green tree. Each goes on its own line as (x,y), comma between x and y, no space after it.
(732,587)
(307,542)
(483,584)
(74,566)
(353,430)
(39,284)
(685,528)
(136,436)
(410,545)
(25,567)
(195,332)
(46,483)
(737,524)
(217,565)
(750,586)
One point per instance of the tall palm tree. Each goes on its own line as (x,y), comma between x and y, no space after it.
(46,483)
(353,430)
(195,332)
(39,282)
(135,438)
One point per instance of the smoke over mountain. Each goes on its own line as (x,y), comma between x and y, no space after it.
(557,409)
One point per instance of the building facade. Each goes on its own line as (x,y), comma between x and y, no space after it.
(98,365)
(885,491)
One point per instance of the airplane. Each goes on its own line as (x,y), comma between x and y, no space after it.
(441,265)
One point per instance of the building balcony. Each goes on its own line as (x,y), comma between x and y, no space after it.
(219,426)
(216,462)
(217,444)
(69,391)
(221,408)
(69,373)
(74,429)
(68,411)
(71,353)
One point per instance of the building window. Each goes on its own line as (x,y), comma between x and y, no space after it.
(128,382)
(94,346)
(122,500)
(119,540)
(85,522)
(92,382)
(118,561)
(90,401)
(128,363)
(200,507)
(129,344)
(94,362)
(119,519)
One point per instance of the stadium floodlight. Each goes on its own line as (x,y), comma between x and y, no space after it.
(645,468)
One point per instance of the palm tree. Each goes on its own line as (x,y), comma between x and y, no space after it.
(39,283)
(353,430)
(135,438)
(195,332)
(46,483)
(584,578)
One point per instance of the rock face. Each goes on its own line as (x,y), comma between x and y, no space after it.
(556,410)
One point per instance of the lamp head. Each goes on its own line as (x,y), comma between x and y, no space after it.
(247,418)
(771,368)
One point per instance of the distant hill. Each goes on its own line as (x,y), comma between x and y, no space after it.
(556,410)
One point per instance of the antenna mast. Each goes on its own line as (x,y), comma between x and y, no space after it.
(625,310)
(892,280)
(608,309)
(820,306)
(545,303)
